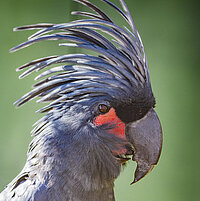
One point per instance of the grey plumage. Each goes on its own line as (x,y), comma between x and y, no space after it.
(69,158)
(126,58)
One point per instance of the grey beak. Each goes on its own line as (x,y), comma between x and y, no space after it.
(146,137)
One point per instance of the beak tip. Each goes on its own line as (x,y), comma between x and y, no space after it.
(146,138)
(141,171)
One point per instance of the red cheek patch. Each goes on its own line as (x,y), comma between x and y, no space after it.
(111,118)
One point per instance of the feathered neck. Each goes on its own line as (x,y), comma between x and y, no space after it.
(76,157)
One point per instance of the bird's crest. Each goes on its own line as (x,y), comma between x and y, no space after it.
(119,67)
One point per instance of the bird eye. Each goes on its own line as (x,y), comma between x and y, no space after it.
(103,108)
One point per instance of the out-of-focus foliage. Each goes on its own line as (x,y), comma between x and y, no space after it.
(170,33)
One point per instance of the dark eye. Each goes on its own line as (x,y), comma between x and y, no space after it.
(103,108)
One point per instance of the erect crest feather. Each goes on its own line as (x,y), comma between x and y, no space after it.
(119,67)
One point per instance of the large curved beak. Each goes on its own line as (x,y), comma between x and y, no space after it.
(146,137)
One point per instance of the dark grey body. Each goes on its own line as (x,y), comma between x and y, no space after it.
(67,162)
(71,158)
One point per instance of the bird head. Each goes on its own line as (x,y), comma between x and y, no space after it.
(108,89)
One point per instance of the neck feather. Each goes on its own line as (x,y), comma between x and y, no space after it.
(75,157)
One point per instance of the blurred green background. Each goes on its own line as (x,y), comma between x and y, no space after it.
(170,33)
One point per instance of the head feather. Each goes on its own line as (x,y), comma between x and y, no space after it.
(119,67)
